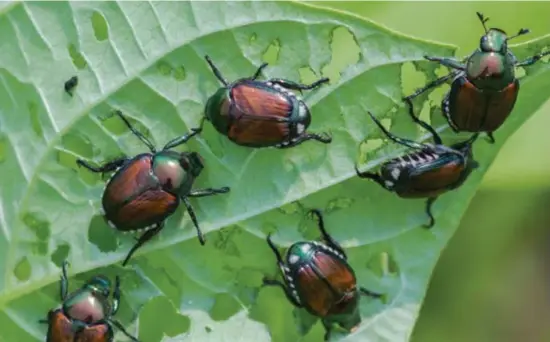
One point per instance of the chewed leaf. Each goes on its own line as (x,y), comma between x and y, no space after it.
(146,59)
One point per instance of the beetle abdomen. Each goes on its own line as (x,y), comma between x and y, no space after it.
(470,109)
(428,174)
(325,283)
(256,112)
(59,328)
(149,207)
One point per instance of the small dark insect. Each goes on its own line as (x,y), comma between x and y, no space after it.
(317,277)
(85,315)
(429,171)
(70,85)
(259,114)
(484,87)
(146,189)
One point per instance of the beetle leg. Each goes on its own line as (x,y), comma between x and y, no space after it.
(396,139)
(107,167)
(436,137)
(328,329)
(216,71)
(116,297)
(122,329)
(298,86)
(137,133)
(183,139)
(448,62)
(490,137)
(433,84)
(429,202)
(259,71)
(532,60)
(370,175)
(143,239)
(193,219)
(324,138)
(208,192)
(64,283)
(326,236)
(363,291)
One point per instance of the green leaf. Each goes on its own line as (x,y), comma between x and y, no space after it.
(146,59)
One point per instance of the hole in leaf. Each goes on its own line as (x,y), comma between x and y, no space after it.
(307,75)
(99,24)
(383,264)
(3,148)
(291,208)
(38,225)
(366,147)
(341,39)
(411,79)
(179,74)
(224,307)
(23,270)
(520,72)
(224,241)
(35,120)
(78,59)
(253,38)
(171,324)
(271,54)
(164,68)
(102,235)
(338,204)
(60,254)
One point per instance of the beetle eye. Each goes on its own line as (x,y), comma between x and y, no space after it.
(184,163)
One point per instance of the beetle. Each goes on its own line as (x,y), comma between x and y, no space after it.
(70,85)
(145,190)
(85,315)
(258,114)
(429,171)
(484,87)
(317,277)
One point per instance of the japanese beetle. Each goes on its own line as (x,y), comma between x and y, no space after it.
(85,315)
(317,277)
(259,114)
(70,85)
(427,172)
(146,189)
(484,88)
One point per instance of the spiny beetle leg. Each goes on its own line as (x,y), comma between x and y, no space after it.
(436,137)
(191,212)
(137,133)
(107,167)
(148,235)
(298,86)
(432,84)
(259,71)
(183,139)
(429,203)
(369,293)
(448,62)
(116,297)
(324,138)
(490,138)
(326,236)
(533,59)
(208,192)
(64,283)
(122,329)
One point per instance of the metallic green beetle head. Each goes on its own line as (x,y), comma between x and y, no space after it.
(217,110)
(99,284)
(495,39)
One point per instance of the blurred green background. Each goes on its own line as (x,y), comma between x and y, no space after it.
(491,282)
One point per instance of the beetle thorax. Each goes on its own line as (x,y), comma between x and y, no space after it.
(490,70)
(169,171)
(300,252)
(217,110)
(86,306)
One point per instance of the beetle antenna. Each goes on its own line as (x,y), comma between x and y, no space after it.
(138,134)
(401,141)
(521,32)
(483,20)
(217,71)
